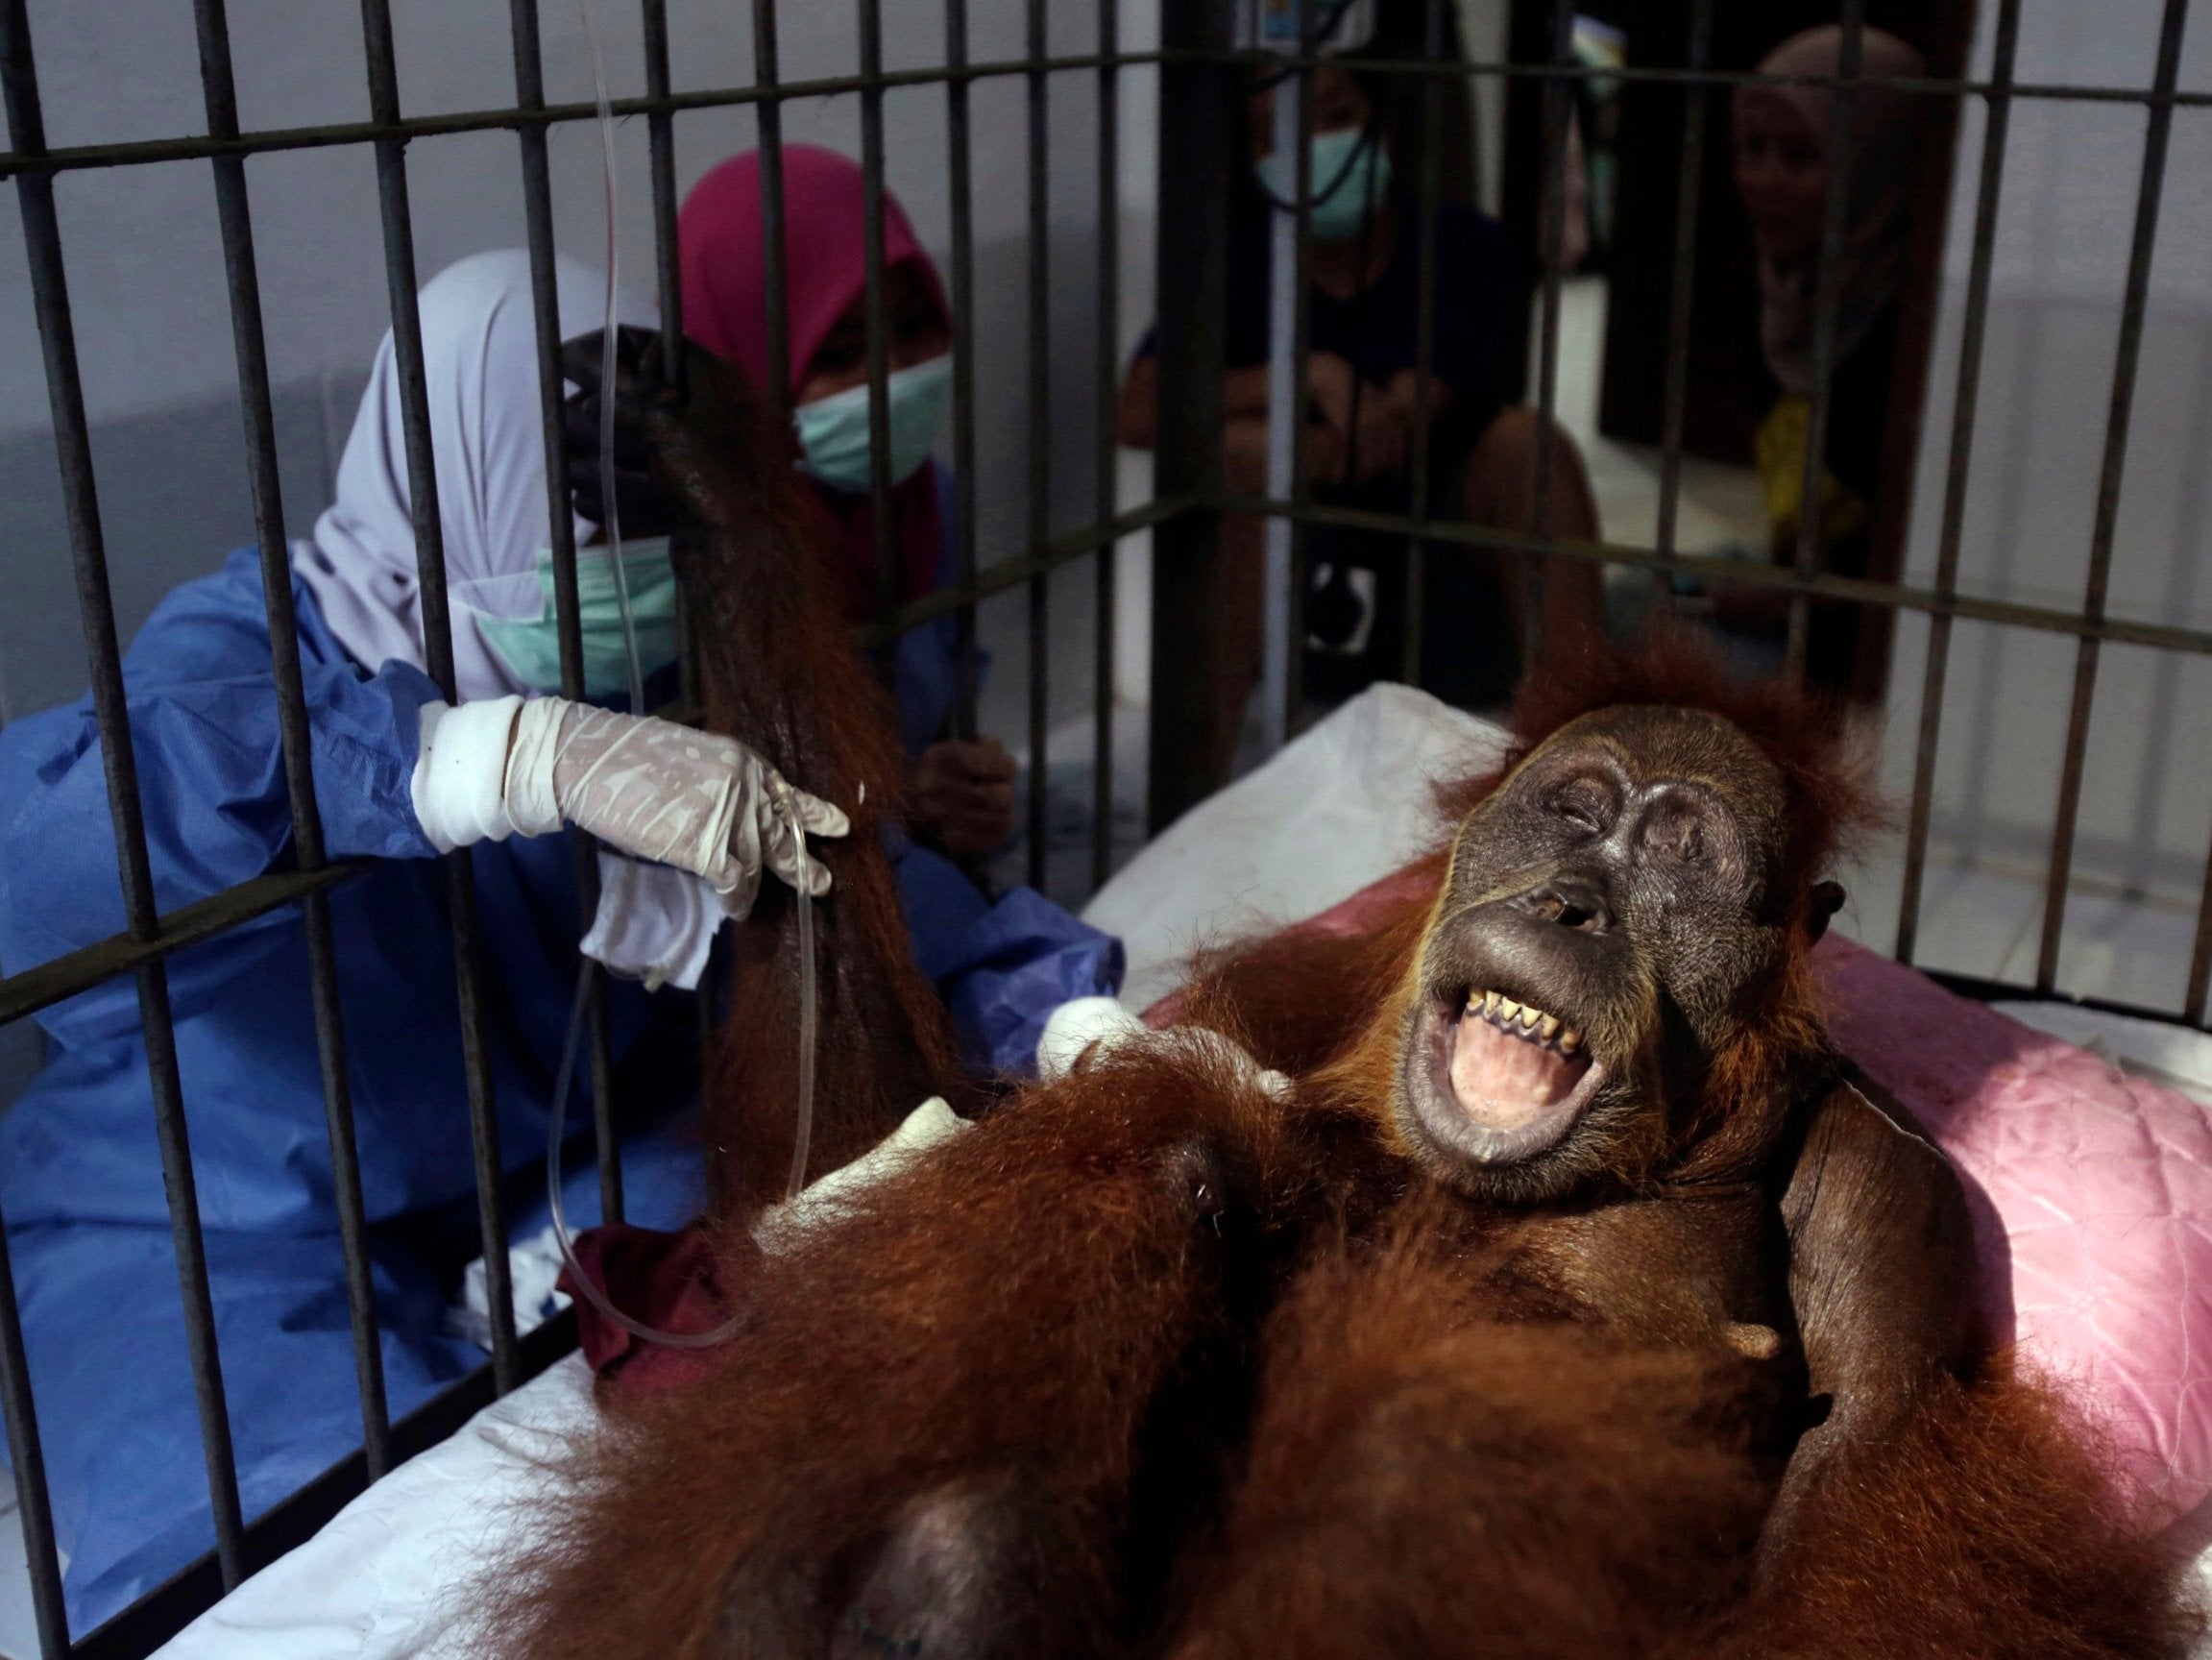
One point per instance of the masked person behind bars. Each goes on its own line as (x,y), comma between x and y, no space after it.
(959,794)
(1363,407)
(399,777)
(1783,161)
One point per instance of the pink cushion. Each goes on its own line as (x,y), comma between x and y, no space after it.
(2092,1194)
(2099,1255)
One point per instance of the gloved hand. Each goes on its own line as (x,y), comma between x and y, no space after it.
(644,786)
(646,509)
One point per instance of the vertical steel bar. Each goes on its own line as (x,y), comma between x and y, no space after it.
(1300,381)
(879,330)
(1283,424)
(96,612)
(1423,337)
(438,659)
(668,266)
(1558,94)
(561,538)
(1689,186)
(21,1416)
(1197,139)
(1972,332)
(241,271)
(964,299)
(1109,363)
(2157,130)
(661,140)
(769,112)
(1827,301)
(1040,435)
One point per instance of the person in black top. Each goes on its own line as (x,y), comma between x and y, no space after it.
(1363,411)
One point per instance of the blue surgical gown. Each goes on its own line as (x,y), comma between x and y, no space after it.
(80,1173)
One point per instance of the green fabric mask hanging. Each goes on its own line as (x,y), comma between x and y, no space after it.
(531,646)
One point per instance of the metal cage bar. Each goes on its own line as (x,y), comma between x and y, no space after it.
(1553,230)
(1959,462)
(967,662)
(561,538)
(2159,126)
(1689,188)
(1300,82)
(770,116)
(96,612)
(880,478)
(200,147)
(1102,591)
(1037,112)
(40,1552)
(1828,295)
(1196,91)
(438,655)
(242,276)
(1418,482)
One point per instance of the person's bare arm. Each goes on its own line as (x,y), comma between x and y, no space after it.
(1136,422)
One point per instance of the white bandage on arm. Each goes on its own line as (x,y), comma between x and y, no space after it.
(1086,1029)
(459,783)
(1075,1027)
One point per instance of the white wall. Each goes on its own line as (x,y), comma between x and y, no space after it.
(2070,186)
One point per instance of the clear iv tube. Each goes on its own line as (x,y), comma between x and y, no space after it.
(809,1000)
(578,1273)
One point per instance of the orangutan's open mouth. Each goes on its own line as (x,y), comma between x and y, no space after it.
(1518,1076)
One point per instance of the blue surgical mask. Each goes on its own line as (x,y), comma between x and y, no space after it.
(833,431)
(530,647)
(1350,175)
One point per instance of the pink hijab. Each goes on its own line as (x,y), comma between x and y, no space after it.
(724,257)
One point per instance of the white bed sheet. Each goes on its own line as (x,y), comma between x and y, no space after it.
(389,1579)
(1341,807)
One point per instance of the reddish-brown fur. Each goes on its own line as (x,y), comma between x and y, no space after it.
(778,673)
(1152,1362)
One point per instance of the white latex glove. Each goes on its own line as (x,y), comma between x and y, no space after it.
(646,786)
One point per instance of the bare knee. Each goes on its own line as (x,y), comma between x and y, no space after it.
(1501,470)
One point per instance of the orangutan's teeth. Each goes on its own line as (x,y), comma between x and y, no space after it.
(1508,1009)
(1548,1025)
(1570,1040)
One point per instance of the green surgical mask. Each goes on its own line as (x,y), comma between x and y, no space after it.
(531,646)
(1350,175)
(833,431)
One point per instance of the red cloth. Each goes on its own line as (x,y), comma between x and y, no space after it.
(723,255)
(670,1282)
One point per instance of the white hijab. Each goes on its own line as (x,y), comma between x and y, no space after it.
(481,363)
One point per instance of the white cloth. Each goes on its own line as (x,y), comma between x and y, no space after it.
(653,923)
(487,442)
(1343,805)
(824,1199)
